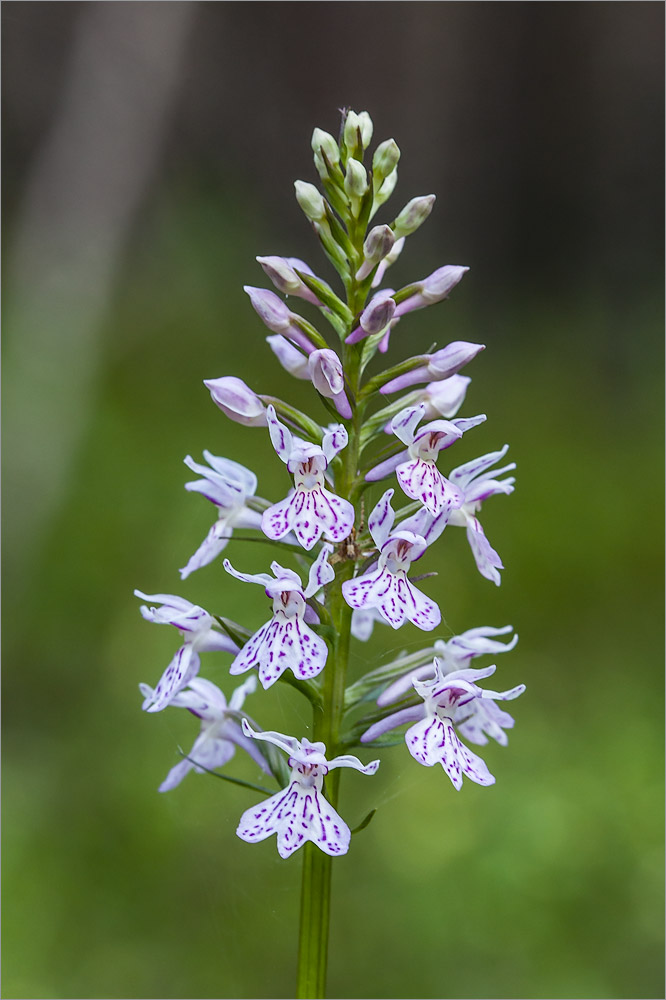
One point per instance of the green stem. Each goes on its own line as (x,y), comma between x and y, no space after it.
(316,872)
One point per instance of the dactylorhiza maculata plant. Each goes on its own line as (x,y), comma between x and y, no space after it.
(394,428)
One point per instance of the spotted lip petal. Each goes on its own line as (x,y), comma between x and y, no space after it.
(424,482)
(296,815)
(281,644)
(396,599)
(309,513)
(434,741)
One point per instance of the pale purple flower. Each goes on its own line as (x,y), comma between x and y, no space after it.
(441,399)
(451,700)
(432,289)
(390,258)
(416,467)
(277,316)
(327,375)
(237,400)
(385,585)
(454,654)
(200,635)
(289,356)
(229,486)
(282,272)
(286,641)
(310,509)
(376,317)
(300,812)
(220,732)
(378,244)
(476,483)
(440,365)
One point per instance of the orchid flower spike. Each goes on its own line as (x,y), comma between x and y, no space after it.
(286,642)
(220,732)
(200,635)
(310,510)
(451,700)
(229,486)
(453,655)
(300,812)
(419,477)
(385,586)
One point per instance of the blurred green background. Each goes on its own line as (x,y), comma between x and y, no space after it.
(149,155)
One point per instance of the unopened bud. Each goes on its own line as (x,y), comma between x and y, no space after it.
(327,374)
(386,190)
(436,367)
(385,160)
(237,400)
(270,308)
(281,272)
(433,289)
(413,215)
(378,244)
(323,144)
(388,260)
(378,313)
(325,370)
(356,179)
(353,125)
(444,399)
(311,201)
(291,359)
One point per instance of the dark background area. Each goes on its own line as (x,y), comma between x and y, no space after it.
(150,151)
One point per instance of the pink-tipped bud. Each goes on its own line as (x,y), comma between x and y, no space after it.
(413,215)
(388,260)
(237,400)
(378,244)
(434,288)
(291,359)
(378,313)
(444,399)
(270,308)
(281,272)
(325,370)
(438,366)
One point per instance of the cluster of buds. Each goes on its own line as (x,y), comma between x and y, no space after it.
(355,576)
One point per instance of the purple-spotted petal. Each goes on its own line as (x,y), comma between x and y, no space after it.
(296,815)
(335,439)
(321,572)
(281,644)
(424,482)
(404,424)
(280,435)
(434,741)
(487,560)
(381,520)
(184,666)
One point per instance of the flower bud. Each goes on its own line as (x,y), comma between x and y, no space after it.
(356,179)
(444,399)
(378,313)
(323,144)
(434,288)
(385,191)
(436,367)
(281,272)
(390,258)
(413,215)
(291,359)
(270,308)
(327,374)
(311,201)
(385,160)
(237,400)
(325,370)
(355,123)
(378,244)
